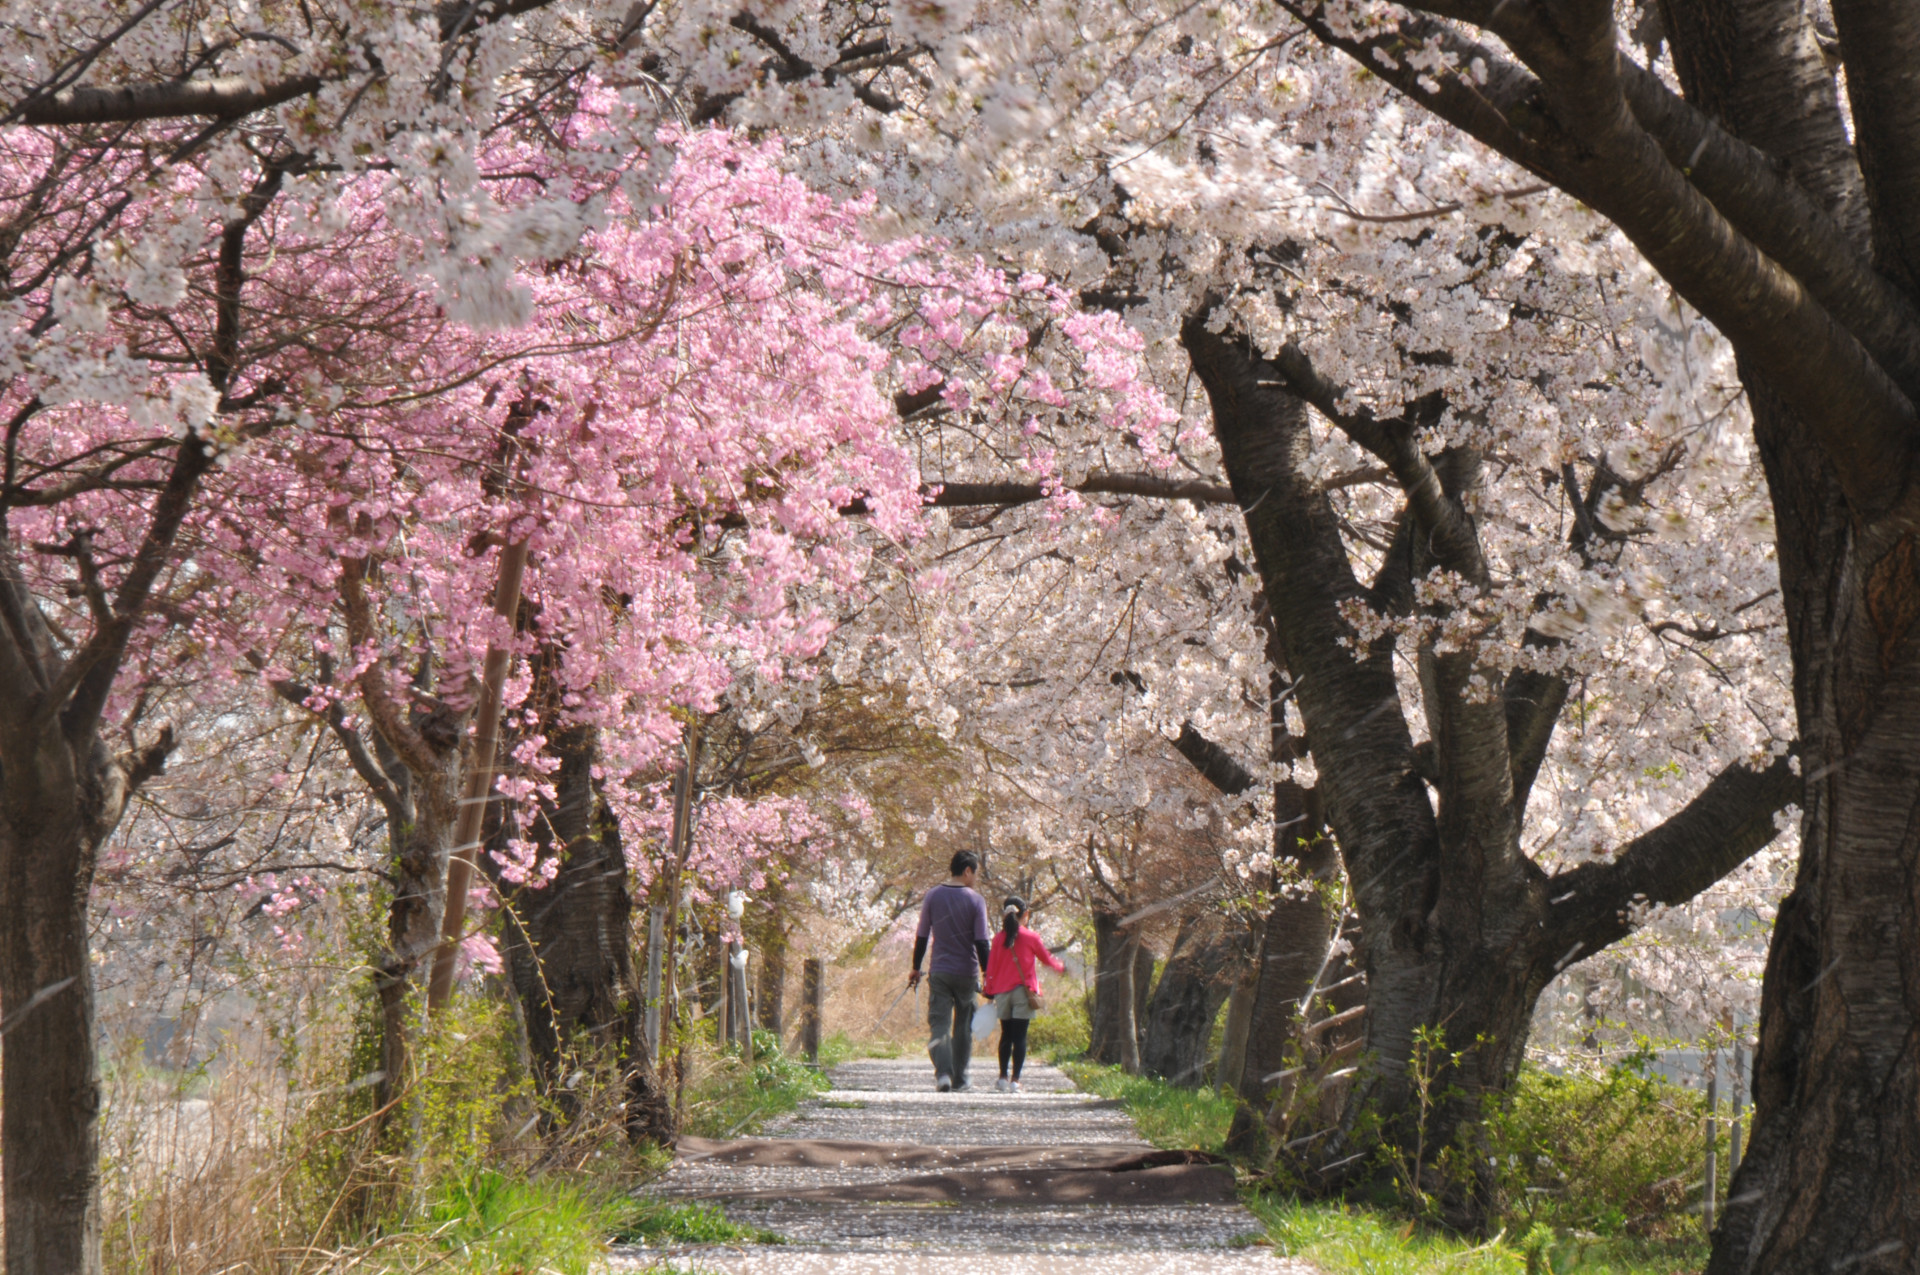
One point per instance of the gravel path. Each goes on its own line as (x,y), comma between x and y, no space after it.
(892,1101)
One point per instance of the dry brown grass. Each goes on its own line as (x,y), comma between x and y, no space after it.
(278,1166)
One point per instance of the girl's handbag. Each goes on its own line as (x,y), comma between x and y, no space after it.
(1036,1000)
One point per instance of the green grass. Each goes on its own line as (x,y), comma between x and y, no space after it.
(1166,1115)
(839,1047)
(492,1222)
(1348,1239)
(1343,1239)
(666,1222)
(735,1100)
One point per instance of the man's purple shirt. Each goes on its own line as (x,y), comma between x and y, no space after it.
(953,917)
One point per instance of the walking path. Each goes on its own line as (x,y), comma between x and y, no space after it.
(882,1174)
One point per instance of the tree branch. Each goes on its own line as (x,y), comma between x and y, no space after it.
(223,97)
(973,495)
(364,765)
(1533,703)
(389,716)
(1880,43)
(143,764)
(1448,533)
(1216,765)
(1575,128)
(1731,819)
(958,495)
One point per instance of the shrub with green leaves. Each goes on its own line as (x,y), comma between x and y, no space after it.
(1621,1153)
(733,1098)
(1061,1030)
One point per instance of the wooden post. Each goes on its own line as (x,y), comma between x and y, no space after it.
(723,1007)
(1739,1102)
(478,788)
(813,998)
(1709,1197)
(656,926)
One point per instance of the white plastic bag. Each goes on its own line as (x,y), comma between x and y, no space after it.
(985,1017)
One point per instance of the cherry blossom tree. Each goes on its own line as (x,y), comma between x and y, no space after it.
(1473,436)
(1369,300)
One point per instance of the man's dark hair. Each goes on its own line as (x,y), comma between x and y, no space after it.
(962,861)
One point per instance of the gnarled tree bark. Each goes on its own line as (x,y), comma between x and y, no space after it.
(1805,251)
(1206,960)
(1460,931)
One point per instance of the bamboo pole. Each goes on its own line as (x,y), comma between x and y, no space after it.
(478,788)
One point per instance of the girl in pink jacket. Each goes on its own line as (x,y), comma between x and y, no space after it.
(1014,984)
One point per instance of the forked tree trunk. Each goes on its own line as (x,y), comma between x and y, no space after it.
(1459,930)
(419,871)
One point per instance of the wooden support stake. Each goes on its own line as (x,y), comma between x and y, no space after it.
(813,998)
(1711,1195)
(680,847)
(1733,1128)
(478,788)
(656,926)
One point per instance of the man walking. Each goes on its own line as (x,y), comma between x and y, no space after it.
(954,918)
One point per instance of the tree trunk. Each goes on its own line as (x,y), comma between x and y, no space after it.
(1828,1177)
(1200,972)
(1459,931)
(580,992)
(54,817)
(1233,1043)
(1112,981)
(1828,1180)
(1142,993)
(419,871)
(1127,989)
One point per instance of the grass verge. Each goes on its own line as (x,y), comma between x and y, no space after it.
(492,1222)
(1350,1239)
(730,1099)
(1344,1239)
(1167,1116)
(667,1222)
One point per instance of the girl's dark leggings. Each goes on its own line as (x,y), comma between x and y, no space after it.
(1013,1044)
